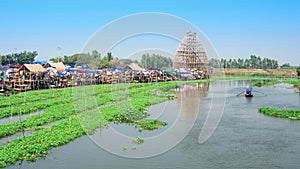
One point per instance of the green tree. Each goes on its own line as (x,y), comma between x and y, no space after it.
(264,63)
(298,70)
(105,63)
(259,62)
(240,63)
(19,58)
(286,66)
(215,63)
(224,63)
(96,54)
(156,61)
(84,59)
(255,62)
(274,64)
(109,56)
(57,59)
(93,60)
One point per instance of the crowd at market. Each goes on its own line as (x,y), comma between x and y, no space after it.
(59,75)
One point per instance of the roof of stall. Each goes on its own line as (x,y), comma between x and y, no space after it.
(34,68)
(56,65)
(133,66)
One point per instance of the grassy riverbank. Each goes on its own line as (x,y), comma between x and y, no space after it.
(290,114)
(269,82)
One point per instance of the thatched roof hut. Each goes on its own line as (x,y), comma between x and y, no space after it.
(33,68)
(133,66)
(56,65)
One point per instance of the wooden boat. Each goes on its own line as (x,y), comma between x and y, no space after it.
(248,95)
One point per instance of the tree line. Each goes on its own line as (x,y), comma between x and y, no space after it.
(155,61)
(254,62)
(95,60)
(18,58)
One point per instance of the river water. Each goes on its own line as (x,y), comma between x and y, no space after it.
(243,138)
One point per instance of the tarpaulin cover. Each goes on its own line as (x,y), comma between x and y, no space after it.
(60,74)
(169,71)
(81,71)
(181,73)
(70,69)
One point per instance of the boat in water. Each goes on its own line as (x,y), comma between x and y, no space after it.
(248,92)
(248,95)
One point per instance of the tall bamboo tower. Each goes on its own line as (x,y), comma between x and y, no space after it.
(190,53)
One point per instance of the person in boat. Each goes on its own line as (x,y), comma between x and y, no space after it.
(248,90)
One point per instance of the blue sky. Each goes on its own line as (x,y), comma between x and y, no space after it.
(236,28)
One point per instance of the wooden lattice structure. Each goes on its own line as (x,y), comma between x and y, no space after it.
(191,54)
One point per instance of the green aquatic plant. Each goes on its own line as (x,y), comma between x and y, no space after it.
(291,114)
(269,82)
(149,124)
(124,148)
(138,140)
(76,116)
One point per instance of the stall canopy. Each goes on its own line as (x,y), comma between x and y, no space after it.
(116,69)
(91,71)
(169,71)
(33,68)
(133,66)
(71,70)
(58,66)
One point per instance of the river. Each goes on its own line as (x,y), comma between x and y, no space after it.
(243,138)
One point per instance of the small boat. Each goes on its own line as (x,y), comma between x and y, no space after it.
(248,95)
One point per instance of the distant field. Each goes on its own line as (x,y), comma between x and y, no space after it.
(258,72)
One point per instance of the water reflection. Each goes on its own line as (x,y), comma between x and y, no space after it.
(180,114)
(187,99)
(193,89)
